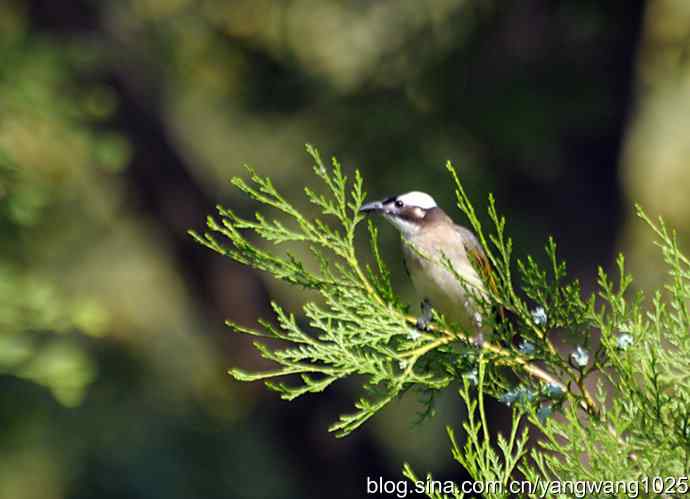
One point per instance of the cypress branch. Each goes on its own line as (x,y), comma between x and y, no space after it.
(638,424)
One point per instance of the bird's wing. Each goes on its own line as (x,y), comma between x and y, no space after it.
(476,254)
(407,269)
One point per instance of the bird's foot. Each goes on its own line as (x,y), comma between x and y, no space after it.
(424,320)
(422,324)
(478,340)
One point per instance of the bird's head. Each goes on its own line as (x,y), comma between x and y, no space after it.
(407,212)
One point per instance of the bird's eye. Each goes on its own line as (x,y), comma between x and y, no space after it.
(399,204)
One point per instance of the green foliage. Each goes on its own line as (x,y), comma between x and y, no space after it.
(52,148)
(643,393)
(479,454)
(33,304)
(359,328)
(637,422)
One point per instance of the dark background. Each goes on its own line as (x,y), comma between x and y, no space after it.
(121,123)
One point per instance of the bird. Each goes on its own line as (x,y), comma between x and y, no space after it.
(431,241)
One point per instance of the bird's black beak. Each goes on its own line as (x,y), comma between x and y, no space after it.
(372,208)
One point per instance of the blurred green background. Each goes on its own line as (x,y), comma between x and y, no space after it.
(121,122)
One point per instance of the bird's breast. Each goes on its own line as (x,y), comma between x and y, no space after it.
(433,280)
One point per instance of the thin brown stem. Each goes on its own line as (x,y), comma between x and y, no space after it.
(586,403)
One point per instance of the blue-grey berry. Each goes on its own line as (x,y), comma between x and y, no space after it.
(472,377)
(624,341)
(526,395)
(553,390)
(580,357)
(544,412)
(527,348)
(508,398)
(539,316)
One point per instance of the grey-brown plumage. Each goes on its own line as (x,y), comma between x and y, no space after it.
(431,241)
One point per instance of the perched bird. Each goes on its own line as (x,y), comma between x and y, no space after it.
(431,240)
